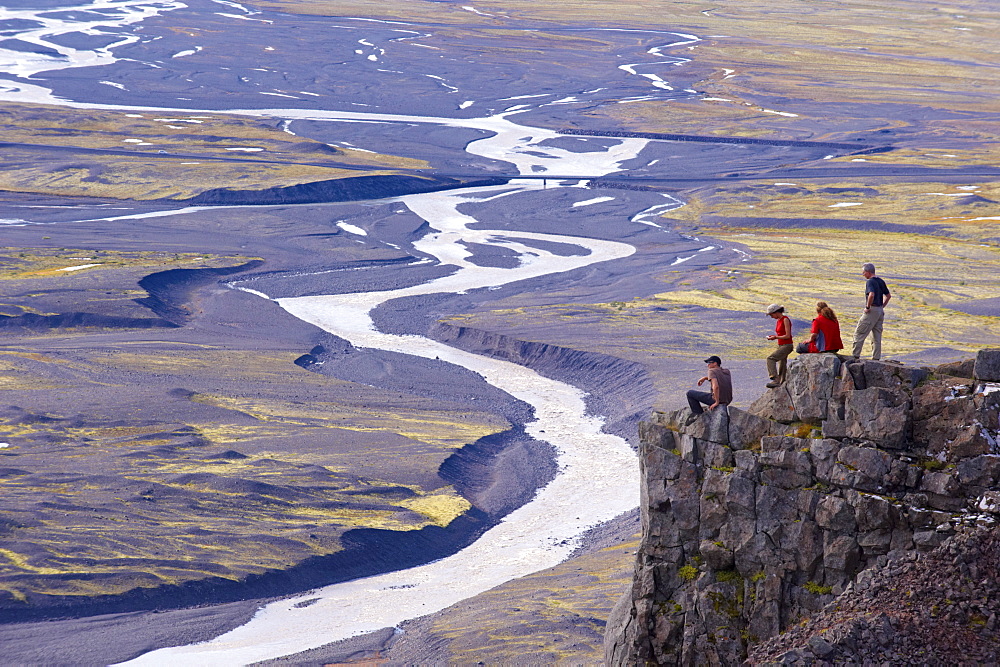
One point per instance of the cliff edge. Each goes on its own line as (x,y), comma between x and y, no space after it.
(828,491)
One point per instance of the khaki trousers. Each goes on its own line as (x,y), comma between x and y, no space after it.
(777,362)
(870,323)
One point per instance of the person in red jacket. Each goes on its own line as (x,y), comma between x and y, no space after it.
(825,332)
(777,361)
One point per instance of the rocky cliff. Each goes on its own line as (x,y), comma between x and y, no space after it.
(756,520)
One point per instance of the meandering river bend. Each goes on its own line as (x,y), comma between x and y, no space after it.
(597,472)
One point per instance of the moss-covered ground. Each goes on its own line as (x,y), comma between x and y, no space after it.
(174,155)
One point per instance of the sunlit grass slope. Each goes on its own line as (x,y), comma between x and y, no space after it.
(176,155)
(251,481)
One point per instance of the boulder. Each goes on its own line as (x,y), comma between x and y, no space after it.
(987,366)
(746,430)
(786,478)
(675,420)
(981,471)
(875,543)
(958,369)
(925,540)
(989,412)
(811,379)
(824,457)
(786,462)
(892,375)
(803,541)
(878,415)
(836,515)
(939,483)
(658,436)
(834,428)
(949,398)
(712,425)
(874,514)
(716,555)
(775,404)
(949,418)
(784,443)
(972,441)
(841,553)
(689,448)
(856,369)
(866,461)
(714,455)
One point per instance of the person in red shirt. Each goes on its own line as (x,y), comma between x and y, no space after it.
(825,332)
(777,361)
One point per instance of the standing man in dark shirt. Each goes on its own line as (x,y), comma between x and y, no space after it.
(876,297)
(722,387)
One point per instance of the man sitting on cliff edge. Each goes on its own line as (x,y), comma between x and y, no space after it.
(722,388)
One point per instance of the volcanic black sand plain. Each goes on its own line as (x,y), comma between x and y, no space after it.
(171,442)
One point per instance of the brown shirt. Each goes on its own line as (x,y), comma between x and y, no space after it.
(722,376)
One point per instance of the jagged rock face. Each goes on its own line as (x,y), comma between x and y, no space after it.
(987,366)
(940,608)
(753,521)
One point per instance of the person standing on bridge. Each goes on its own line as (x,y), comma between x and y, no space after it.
(876,297)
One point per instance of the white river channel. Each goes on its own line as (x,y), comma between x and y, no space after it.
(597,475)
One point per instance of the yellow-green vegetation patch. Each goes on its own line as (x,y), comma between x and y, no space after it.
(968,210)
(864,57)
(440,508)
(66,263)
(438,428)
(13,377)
(215,135)
(165,510)
(258,367)
(721,116)
(928,276)
(177,155)
(961,155)
(146,178)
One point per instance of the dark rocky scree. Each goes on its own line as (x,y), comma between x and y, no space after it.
(866,490)
(938,608)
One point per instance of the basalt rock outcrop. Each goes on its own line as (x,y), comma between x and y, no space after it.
(937,608)
(755,520)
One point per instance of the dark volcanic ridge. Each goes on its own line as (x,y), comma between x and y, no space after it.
(335,190)
(715,139)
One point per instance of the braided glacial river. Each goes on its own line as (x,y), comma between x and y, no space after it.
(597,477)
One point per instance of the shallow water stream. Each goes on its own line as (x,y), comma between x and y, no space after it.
(597,475)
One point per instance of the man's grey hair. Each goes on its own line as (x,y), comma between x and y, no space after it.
(869,267)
